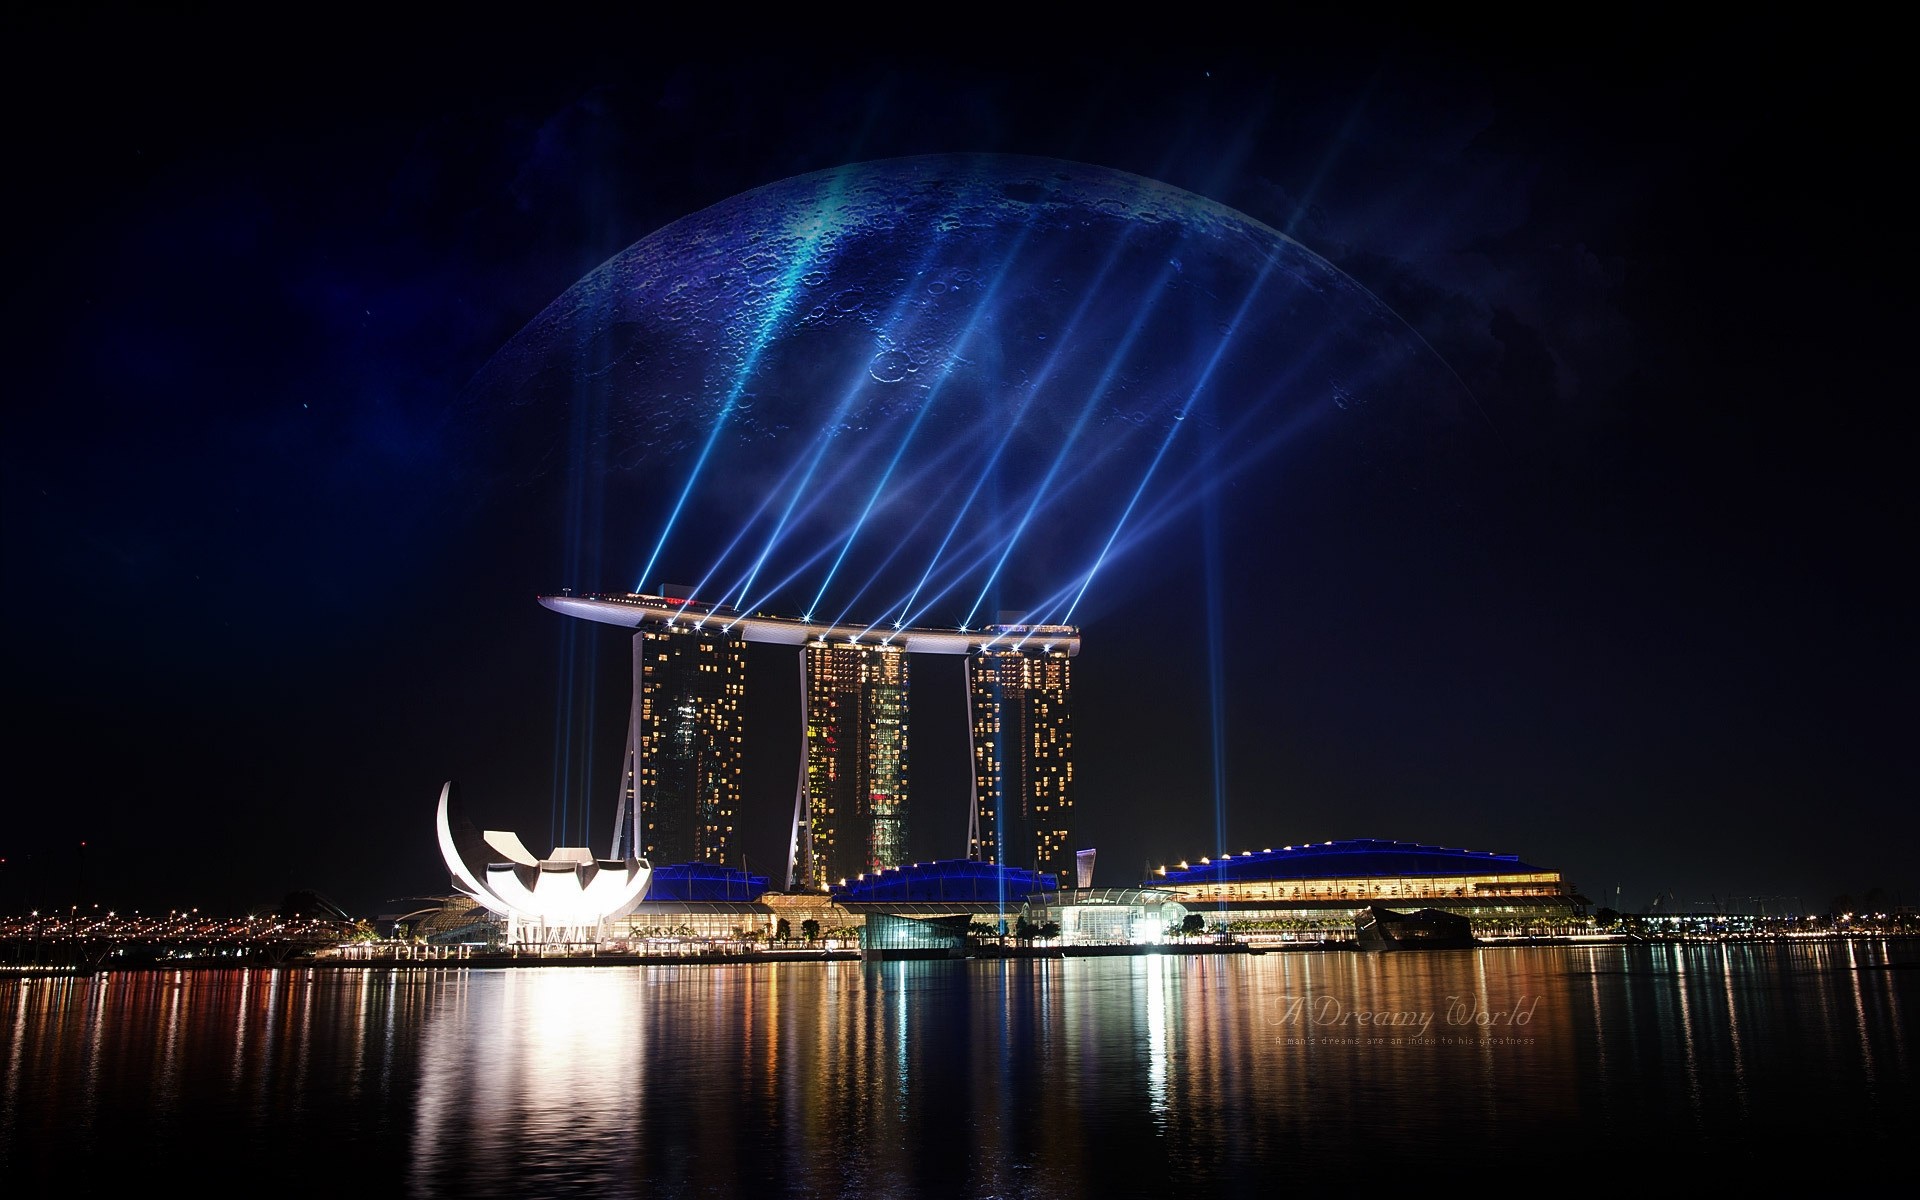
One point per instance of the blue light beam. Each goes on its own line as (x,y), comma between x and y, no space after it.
(770,321)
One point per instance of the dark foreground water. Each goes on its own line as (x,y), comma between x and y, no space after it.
(1512,1070)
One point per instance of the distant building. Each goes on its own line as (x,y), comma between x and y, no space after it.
(1109,916)
(680,778)
(699,900)
(991,894)
(1020,689)
(856,773)
(996,898)
(1327,883)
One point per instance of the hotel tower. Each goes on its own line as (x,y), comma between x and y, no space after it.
(856,766)
(1019,690)
(681,782)
(680,777)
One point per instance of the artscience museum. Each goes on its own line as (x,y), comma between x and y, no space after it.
(568,897)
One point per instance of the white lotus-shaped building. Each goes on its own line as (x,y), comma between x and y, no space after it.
(568,896)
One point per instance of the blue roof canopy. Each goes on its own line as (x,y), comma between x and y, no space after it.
(955,879)
(1353,859)
(703,882)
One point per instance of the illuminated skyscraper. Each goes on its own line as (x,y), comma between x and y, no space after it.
(1019,687)
(855,782)
(680,780)
(850,804)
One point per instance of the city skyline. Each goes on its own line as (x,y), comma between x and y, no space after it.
(1637,614)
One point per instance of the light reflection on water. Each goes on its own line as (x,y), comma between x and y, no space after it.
(1096,1077)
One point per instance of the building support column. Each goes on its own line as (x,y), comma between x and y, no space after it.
(800,865)
(626,812)
(973,767)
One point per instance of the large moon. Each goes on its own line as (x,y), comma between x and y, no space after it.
(934,388)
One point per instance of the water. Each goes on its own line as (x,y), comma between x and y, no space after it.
(1502,1068)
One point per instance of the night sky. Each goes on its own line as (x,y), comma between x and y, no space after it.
(260,606)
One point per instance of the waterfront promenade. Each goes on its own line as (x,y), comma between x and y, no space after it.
(76,941)
(75,958)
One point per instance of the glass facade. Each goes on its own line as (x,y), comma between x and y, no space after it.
(887,935)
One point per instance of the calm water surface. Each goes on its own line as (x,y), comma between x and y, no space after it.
(1161,1075)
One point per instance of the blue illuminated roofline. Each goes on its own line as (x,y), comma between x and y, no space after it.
(963,880)
(704,882)
(633,610)
(1356,858)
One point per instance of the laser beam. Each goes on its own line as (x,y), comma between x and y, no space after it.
(820,220)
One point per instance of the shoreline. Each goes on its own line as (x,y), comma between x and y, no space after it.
(512,961)
(520,961)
